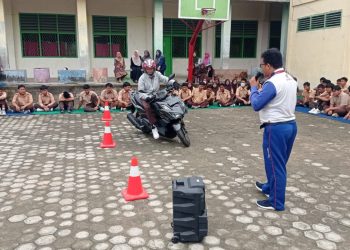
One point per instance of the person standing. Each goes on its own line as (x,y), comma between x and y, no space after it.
(135,66)
(160,62)
(276,105)
(119,67)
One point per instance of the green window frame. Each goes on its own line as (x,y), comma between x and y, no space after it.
(275,34)
(218,40)
(181,36)
(48,35)
(320,21)
(110,36)
(243,42)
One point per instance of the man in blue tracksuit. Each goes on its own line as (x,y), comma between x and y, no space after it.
(276,105)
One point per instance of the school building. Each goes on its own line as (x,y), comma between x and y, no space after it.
(85,34)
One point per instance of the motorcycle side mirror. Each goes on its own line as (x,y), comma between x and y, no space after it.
(172,76)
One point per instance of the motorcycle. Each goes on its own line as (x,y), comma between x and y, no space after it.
(170,111)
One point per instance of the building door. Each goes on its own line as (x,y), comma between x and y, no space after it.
(167,51)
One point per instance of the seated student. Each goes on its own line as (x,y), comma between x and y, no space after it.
(223,97)
(347,116)
(211,72)
(88,99)
(202,72)
(3,102)
(199,97)
(46,100)
(234,86)
(339,102)
(320,101)
(308,95)
(243,93)
(210,94)
(227,85)
(22,101)
(66,101)
(109,95)
(344,85)
(124,97)
(185,94)
(216,84)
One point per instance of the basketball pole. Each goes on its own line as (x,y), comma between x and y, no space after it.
(191,45)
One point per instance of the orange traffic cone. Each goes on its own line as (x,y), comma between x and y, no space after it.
(106,113)
(107,141)
(135,190)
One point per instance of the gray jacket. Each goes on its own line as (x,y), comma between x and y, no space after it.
(148,86)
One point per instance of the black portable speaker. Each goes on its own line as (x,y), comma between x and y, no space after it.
(190,220)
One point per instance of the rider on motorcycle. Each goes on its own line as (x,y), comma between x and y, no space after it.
(148,86)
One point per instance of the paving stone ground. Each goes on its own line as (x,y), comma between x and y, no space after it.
(59,190)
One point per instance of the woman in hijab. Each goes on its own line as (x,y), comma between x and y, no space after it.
(206,60)
(119,67)
(160,62)
(146,55)
(136,66)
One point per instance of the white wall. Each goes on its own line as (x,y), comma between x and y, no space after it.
(323,52)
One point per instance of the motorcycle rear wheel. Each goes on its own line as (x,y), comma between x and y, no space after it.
(184,138)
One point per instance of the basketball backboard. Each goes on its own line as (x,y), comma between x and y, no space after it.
(192,9)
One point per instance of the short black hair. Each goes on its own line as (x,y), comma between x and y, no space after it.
(327,81)
(210,86)
(202,83)
(323,79)
(243,79)
(86,86)
(226,81)
(273,57)
(108,84)
(344,78)
(185,84)
(330,85)
(339,79)
(125,84)
(336,87)
(222,84)
(44,87)
(321,86)
(66,94)
(21,86)
(306,84)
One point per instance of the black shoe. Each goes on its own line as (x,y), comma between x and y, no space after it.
(259,187)
(265,204)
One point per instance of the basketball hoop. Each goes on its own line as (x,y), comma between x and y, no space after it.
(207,14)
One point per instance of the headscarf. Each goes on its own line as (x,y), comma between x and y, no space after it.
(136,58)
(158,56)
(207,59)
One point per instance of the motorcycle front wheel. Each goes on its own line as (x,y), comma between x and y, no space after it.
(184,138)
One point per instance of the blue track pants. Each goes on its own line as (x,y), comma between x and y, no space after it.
(277,145)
